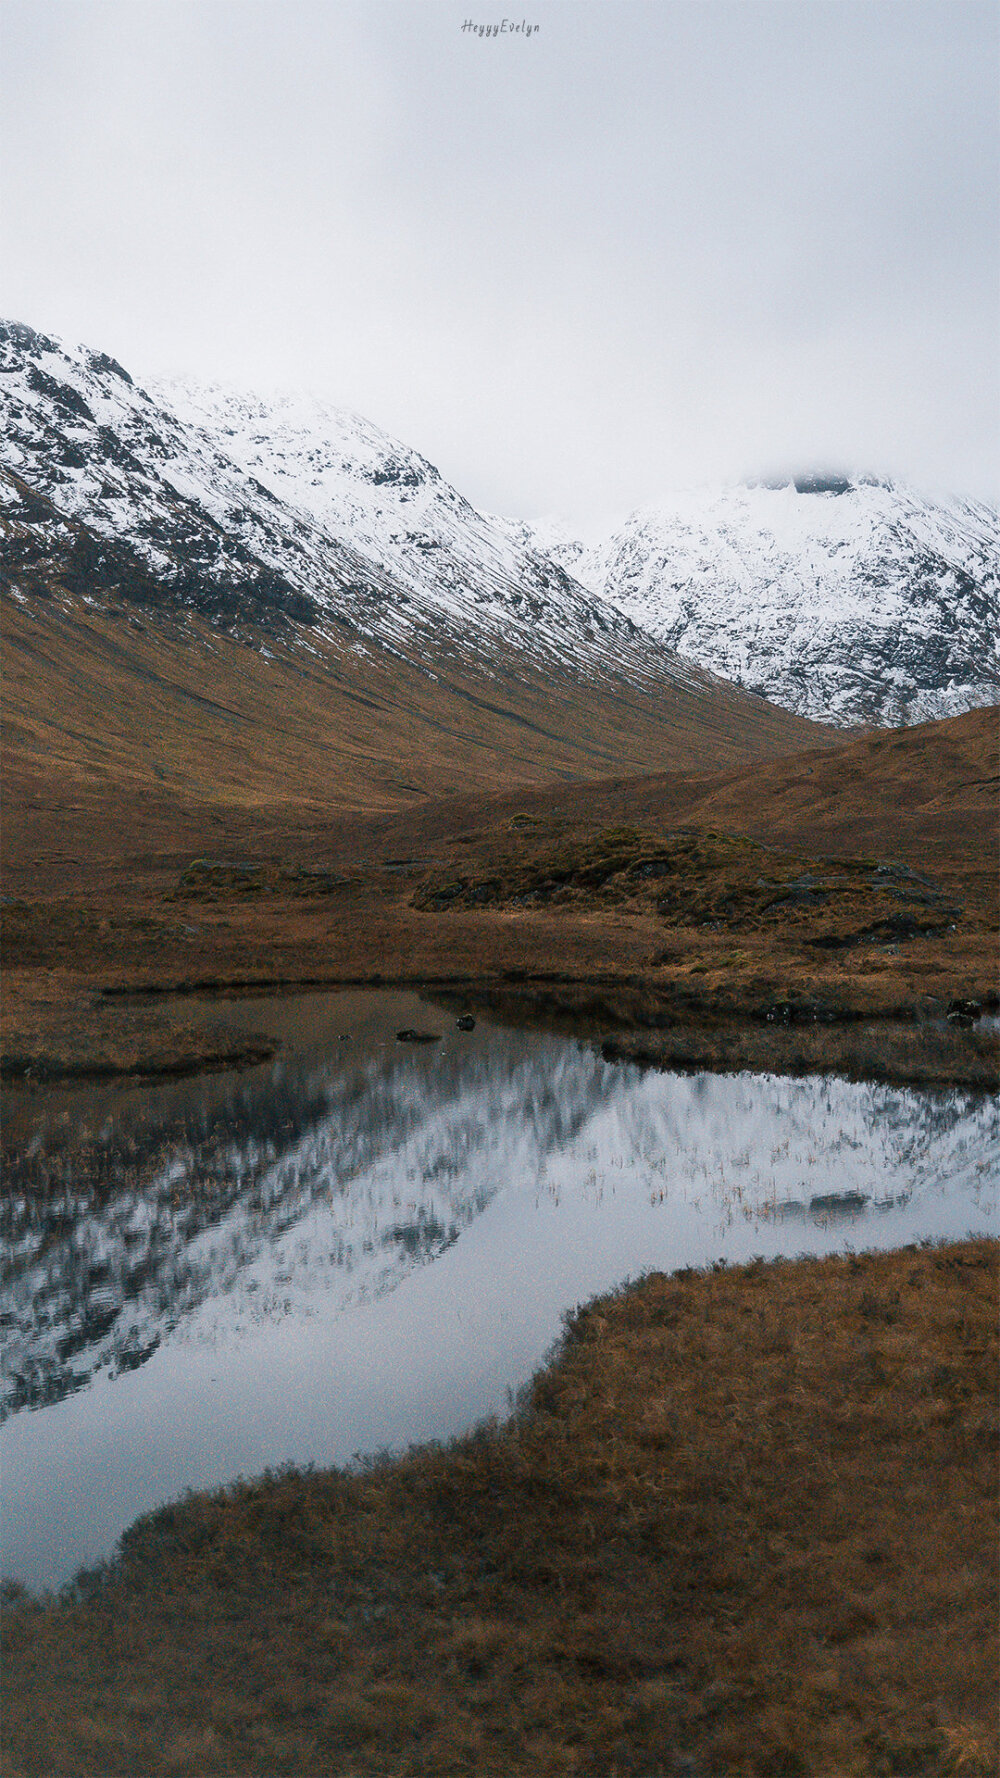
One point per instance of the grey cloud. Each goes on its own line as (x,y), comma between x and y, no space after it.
(654,243)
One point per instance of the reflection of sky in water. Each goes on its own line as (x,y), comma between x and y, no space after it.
(370,1244)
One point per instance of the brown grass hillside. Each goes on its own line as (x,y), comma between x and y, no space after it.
(124,730)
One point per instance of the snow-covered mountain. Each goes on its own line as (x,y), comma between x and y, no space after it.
(843,601)
(270,513)
(453,563)
(850,600)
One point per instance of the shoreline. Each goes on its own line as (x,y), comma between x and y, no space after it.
(743,1521)
(125,1031)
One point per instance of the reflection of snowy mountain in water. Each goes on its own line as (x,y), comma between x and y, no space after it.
(300,1192)
(295,1184)
(758,1143)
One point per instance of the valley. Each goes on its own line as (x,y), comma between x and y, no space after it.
(402,943)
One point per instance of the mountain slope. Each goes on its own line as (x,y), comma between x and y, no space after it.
(856,601)
(224,604)
(451,565)
(256,513)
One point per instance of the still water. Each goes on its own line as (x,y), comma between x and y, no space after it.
(366,1244)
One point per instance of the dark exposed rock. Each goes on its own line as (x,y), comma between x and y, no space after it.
(822,484)
(100,362)
(18,342)
(967,1009)
(395,474)
(66,400)
(838,1203)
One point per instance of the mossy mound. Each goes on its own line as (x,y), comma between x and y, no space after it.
(207,879)
(699,877)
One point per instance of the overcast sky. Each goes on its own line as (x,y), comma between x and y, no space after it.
(652,242)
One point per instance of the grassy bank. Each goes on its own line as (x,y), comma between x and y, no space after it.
(751,990)
(745,1524)
(686,945)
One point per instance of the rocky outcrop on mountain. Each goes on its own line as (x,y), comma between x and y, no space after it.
(858,601)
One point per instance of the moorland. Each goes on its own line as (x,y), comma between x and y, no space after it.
(833,906)
(745,1524)
(744,1521)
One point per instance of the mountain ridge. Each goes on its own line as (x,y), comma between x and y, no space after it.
(855,598)
(176,490)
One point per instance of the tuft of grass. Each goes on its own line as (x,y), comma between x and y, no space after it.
(745,1523)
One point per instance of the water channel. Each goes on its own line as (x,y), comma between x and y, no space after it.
(367,1243)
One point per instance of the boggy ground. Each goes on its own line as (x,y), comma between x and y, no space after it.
(828,909)
(743,1525)
(681,945)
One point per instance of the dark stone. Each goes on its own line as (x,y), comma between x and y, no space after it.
(34,507)
(66,399)
(839,1203)
(396,475)
(822,484)
(466,1022)
(802,1012)
(99,361)
(17,340)
(780,1013)
(408,1035)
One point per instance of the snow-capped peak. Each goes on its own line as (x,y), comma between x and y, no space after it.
(857,599)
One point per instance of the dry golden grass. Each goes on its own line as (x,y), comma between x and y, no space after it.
(123,731)
(685,947)
(698,877)
(100,889)
(744,1526)
(101,893)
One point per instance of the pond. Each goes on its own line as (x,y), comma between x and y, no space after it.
(367,1243)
